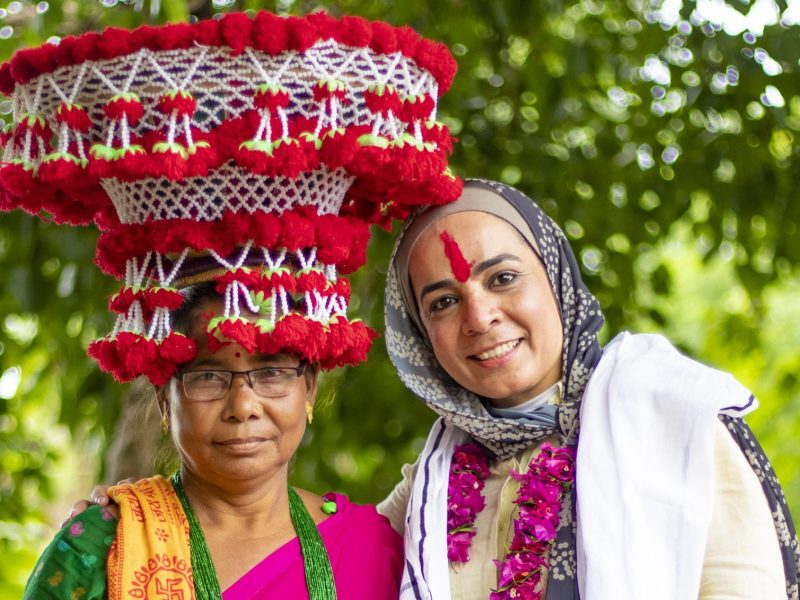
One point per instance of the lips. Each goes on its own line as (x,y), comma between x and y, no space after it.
(497,351)
(237,441)
(242,444)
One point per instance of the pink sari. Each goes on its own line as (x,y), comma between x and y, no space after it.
(366,556)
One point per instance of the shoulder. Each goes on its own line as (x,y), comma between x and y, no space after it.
(362,520)
(352,511)
(75,561)
(366,553)
(649,363)
(313,504)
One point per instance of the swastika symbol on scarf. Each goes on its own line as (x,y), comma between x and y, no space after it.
(169,589)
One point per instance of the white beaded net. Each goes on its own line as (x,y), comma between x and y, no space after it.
(226,189)
(223,85)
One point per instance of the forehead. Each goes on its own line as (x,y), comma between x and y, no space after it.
(479,235)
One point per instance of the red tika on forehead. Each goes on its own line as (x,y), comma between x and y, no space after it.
(459,265)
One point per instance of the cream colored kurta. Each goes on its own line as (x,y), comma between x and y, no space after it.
(742,559)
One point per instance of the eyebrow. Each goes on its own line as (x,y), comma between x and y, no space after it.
(476,270)
(211,363)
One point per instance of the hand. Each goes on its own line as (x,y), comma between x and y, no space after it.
(98,496)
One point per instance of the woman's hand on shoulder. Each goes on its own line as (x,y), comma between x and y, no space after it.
(99,495)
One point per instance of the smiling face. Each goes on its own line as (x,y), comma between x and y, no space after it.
(240,436)
(498,333)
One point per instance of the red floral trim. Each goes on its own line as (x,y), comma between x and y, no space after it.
(409,168)
(326,89)
(311,281)
(150,298)
(375,202)
(275,280)
(177,101)
(57,170)
(288,158)
(339,344)
(124,105)
(246,276)
(36,124)
(266,32)
(19,179)
(382,99)
(129,355)
(340,238)
(74,116)
(347,343)
(417,108)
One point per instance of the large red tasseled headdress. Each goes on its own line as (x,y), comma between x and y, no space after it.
(252,152)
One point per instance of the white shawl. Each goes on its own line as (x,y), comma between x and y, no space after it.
(644,477)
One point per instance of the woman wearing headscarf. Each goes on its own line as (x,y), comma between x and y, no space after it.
(559,468)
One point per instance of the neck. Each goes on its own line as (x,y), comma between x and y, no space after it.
(215,502)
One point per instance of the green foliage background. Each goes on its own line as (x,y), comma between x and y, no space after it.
(665,147)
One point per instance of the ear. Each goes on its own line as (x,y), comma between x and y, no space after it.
(162,398)
(311,375)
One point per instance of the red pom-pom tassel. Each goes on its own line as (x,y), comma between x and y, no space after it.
(382,99)
(248,277)
(160,297)
(177,349)
(311,281)
(125,105)
(74,116)
(417,108)
(326,89)
(177,101)
(36,124)
(104,351)
(236,330)
(271,97)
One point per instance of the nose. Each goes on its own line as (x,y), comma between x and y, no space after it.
(242,403)
(479,312)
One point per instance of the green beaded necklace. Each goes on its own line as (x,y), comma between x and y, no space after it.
(317,566)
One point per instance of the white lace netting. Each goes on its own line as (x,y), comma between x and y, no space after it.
(226,189)
(222,84)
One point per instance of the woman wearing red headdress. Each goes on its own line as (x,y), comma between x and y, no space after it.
(233,168)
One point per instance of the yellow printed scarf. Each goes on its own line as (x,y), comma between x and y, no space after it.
(150,557)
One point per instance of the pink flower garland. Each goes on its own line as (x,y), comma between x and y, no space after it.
(469,469)
(550,475)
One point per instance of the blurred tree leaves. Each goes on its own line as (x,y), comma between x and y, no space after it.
(661,136)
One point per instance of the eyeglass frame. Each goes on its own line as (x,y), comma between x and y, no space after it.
(299,370)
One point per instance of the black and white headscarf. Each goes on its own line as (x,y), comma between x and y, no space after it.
(581,319)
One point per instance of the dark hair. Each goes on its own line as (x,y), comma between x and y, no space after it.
(184,318)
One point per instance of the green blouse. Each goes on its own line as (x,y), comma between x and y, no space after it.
(73,566)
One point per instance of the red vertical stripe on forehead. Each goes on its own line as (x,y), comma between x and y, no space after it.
(459,265)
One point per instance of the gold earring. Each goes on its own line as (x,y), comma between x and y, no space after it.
(309,411)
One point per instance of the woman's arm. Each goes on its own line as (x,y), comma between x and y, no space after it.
(394,506)
(74,564)
(743,558)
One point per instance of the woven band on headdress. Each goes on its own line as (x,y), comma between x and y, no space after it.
(251,152)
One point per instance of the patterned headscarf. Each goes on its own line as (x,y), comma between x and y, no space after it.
(581,318)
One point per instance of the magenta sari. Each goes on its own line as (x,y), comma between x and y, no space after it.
(366,556)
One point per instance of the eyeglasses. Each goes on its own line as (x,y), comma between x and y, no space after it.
(270,382)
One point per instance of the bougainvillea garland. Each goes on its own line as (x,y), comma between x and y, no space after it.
(550,475)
